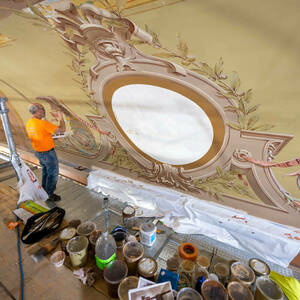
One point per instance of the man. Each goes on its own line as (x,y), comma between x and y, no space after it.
(40,133)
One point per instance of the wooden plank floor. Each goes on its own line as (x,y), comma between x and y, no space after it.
(42,280)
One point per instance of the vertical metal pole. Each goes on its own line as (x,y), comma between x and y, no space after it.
(14,157)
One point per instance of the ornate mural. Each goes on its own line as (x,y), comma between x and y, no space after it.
(103,46)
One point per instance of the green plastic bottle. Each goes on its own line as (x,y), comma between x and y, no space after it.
(106,247)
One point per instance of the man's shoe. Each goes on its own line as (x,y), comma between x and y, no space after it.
(54,197)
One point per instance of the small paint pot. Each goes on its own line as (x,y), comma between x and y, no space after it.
(203,261)
(222,271)
(237,291)
(212,290)
(147,267)
(133,252)
(94,237)
(58,258)
(242,273)
(113,274)
(267,289)
(86,228)
(128,214)
(120,238)
(127,284)
(188,294)
(188,268)
(173,263)
(77,249)
(200,271)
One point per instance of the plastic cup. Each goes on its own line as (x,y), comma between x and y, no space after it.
(77,249)
(58,258)
(267,289)
(212,290)
(242,273)
(86,228)
(222,271)
(188,294)
(133,252)
(203,261)
(237,291)
(113,274)
(127,284)
(147,267)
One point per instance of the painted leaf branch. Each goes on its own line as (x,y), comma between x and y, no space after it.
(78,64)
(221,182)
(230,85)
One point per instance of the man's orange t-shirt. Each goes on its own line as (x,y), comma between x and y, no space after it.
(40,133)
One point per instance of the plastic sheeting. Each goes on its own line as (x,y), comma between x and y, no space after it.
(186,214)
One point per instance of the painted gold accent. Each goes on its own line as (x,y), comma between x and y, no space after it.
(212,113)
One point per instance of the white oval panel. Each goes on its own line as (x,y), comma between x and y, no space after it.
(162,123)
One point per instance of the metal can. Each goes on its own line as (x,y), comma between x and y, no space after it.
(148,234)
(128,214)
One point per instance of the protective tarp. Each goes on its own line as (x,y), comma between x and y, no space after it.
(186,214)
(29,186)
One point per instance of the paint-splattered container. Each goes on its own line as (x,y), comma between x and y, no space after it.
(242,273)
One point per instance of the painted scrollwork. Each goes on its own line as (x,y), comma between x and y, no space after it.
(239,154)
(105,33)
(170,176)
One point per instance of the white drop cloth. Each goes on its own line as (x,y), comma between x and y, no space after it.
(190,215)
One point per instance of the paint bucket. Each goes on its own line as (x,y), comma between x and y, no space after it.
(238,291)
(148,234)
(147,268)
(203,261)
(222,271)
(128,214)
(77,249)
(127,284)
(133,252)
(188,294)
(113,274)
(86,228)
(242,273)
(267,289)
(212,290)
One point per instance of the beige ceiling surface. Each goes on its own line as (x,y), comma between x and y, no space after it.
(257,39)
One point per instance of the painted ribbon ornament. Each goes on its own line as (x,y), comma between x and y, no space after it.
(284,164)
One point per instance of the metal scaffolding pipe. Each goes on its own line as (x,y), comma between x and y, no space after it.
(14,157)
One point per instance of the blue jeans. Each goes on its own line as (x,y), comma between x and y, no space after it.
(49,164)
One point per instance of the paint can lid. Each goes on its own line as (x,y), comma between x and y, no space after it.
(67,233)
(259,267)
(128,211)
